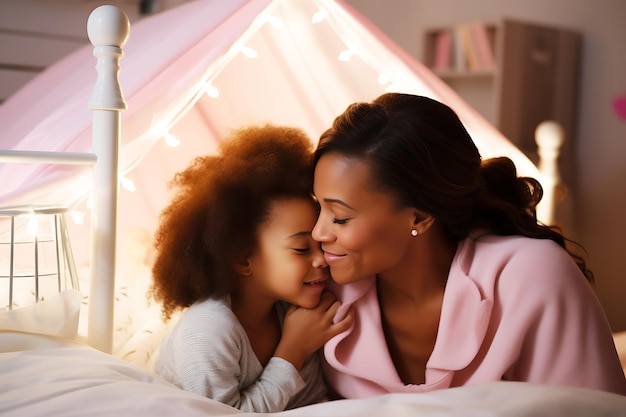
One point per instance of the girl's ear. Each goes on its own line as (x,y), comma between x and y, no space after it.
(243,267)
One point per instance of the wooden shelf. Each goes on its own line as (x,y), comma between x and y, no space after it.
(534,78)
(469,74)
(465,49)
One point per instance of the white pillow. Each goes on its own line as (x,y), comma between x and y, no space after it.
(57,316)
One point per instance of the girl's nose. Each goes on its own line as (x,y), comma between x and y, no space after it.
(318,258)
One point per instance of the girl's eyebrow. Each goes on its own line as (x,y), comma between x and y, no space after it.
(336,201)
(304,233)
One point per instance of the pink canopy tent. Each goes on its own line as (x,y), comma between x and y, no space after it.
(198,71)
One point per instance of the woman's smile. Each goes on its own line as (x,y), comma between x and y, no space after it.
(332,257)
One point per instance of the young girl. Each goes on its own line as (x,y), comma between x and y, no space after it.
(233,244)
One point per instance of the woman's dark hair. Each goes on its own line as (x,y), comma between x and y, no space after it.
(418,149)
(221,201)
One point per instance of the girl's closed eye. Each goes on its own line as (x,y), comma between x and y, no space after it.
(301,250)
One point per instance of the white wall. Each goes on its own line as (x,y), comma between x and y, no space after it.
(600,215)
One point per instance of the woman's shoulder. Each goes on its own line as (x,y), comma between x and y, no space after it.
(540,268)
(519,248)
(521,263)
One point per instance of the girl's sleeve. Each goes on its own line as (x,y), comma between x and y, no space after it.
(271,392)
(212,360)
(315,390)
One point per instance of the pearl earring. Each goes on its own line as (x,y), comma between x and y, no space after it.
(414,232)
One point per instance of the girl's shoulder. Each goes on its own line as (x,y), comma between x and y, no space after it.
(208,306)
(211,317)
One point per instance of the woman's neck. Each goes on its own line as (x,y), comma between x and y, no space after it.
(423,272)
(411,298)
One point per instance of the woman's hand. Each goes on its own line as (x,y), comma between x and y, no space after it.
(305,330)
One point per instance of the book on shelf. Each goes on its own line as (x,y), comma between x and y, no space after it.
(469,48)
(442,50)
(484,45)
(462,48)
(460,62)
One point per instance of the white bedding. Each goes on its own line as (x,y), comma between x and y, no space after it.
(46,376)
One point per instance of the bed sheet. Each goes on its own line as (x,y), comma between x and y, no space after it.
(47,376)
(137,322)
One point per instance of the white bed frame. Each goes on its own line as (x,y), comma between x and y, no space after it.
(108,30)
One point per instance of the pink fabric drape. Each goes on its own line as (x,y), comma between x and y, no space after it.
(170,58)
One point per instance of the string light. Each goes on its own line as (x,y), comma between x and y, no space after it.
(345,55)
(128,185)
(212,91)
(77,216)
(319,16)
(33,225)
(275,21)
(249,52)
(171,140)
(393,88)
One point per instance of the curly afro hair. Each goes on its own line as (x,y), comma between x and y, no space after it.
(218,207)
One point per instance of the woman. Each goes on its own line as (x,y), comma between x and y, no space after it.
(452,279)
(234,250)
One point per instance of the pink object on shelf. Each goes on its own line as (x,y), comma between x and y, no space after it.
(619,105)
(443,47)
(484,47)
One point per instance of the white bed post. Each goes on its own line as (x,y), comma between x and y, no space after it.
(549,138)
(108,29)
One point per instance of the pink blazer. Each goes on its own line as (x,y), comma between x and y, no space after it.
(514,308)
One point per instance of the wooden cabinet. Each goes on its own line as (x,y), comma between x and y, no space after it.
(535,78)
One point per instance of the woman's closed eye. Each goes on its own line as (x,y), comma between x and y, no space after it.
(341,221)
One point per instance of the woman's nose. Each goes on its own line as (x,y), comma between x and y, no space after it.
(319,232)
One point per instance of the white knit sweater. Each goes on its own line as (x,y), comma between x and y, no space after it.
(208,352)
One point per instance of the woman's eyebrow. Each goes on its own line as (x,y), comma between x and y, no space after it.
(336,201)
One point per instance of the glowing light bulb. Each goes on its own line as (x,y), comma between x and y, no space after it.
(33,225)
(78,217)
(345,55)
(212,91)
(319,16)
(275,21)
(171,140)
(249,52)
(383,78)
(128,185)
(393,88)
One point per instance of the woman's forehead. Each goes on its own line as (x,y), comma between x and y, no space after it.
(347,181)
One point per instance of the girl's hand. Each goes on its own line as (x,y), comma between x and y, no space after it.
(306,330)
